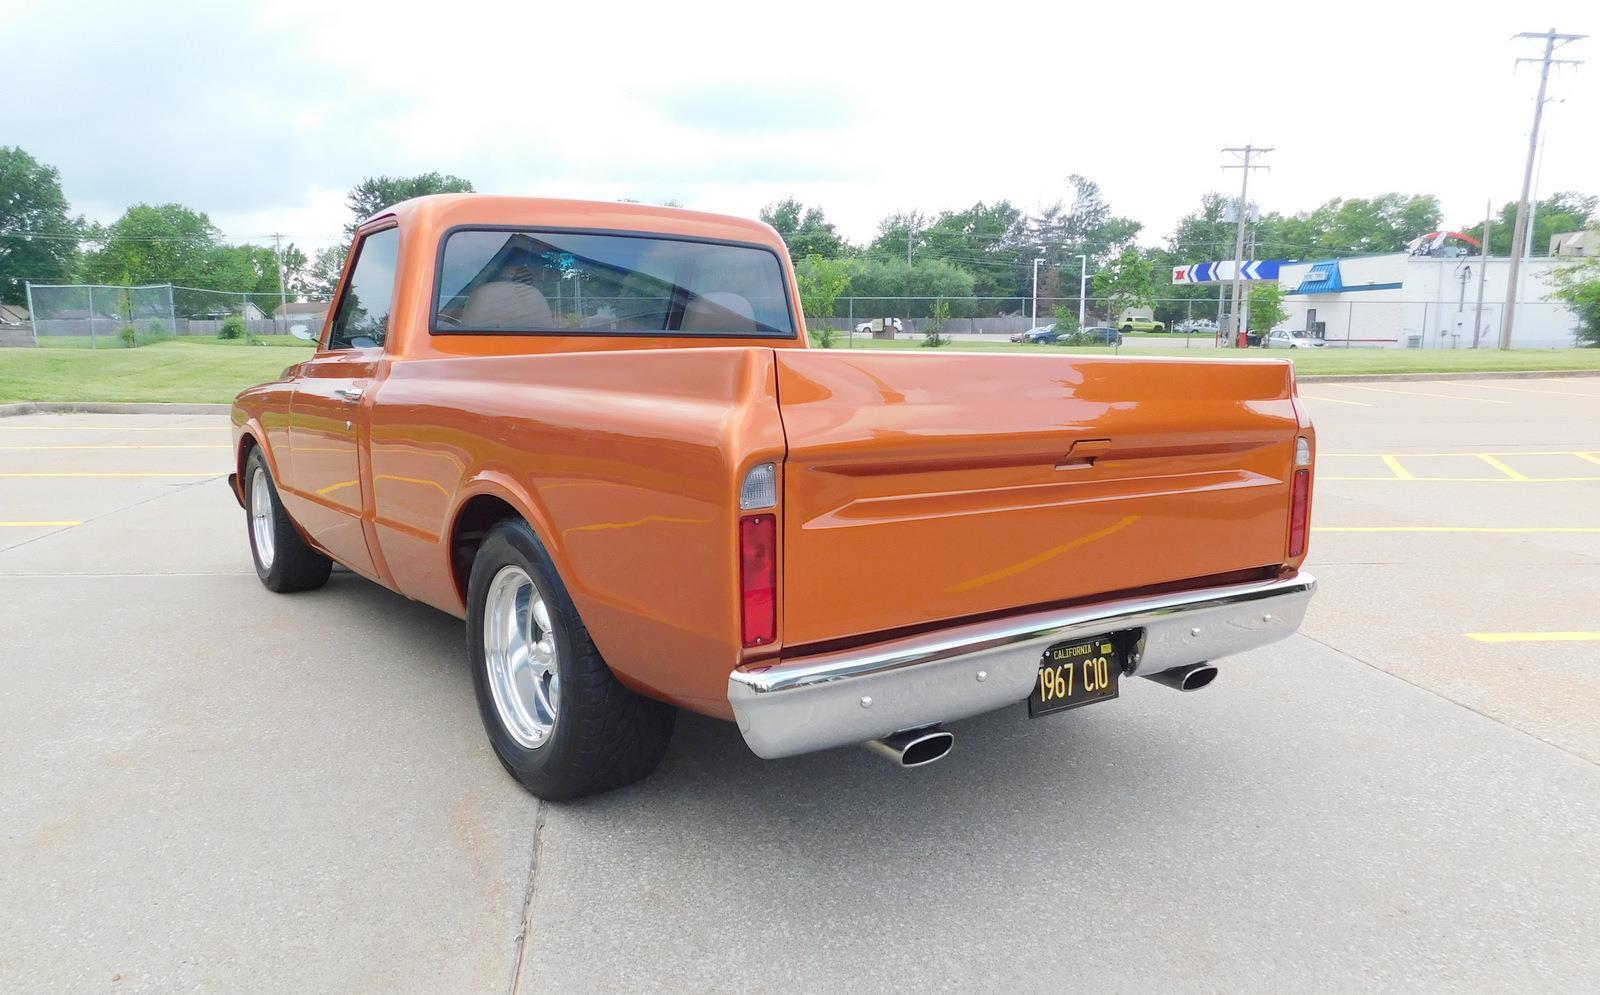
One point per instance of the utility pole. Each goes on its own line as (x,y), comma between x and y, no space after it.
(1083,283)
(1483,270)
(1519,233)
(1035,322)
(283,293)
(1244,153)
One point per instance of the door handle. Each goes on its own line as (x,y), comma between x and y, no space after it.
(350,393)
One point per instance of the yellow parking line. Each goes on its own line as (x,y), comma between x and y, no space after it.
(123,445)
(1418,393)
(1523,390)
(1591,457)
(37,525)
(1506,530)
(1508,471)
(1400,472)
(1534,637)
(1336,400)
(203,473)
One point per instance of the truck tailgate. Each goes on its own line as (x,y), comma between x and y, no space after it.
(929,488)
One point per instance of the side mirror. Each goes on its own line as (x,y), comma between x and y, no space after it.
(302,332)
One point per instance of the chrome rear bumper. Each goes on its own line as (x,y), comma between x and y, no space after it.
(834,699)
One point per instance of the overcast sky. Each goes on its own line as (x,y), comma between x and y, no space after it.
(264,114)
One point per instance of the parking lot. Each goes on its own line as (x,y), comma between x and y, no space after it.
(207,785)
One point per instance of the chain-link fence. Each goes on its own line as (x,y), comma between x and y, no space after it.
(96,316)
(1345,324)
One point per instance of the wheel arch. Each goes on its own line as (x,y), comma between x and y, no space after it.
(483,502)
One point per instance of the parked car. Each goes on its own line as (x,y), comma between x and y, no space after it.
(1138,324)
(1285,339)
(1043,334)
(1197,325)
(654,496)
(879,324)
(1102,335)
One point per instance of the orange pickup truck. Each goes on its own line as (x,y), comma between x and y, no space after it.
(595,432)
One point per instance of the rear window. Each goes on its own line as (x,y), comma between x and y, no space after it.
(530,281)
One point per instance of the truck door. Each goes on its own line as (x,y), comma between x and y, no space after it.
(326,414)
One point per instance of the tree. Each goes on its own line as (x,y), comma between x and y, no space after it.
(821,282)
(1578,287)
(156,243)
(932,331)
(1128,281)
(888,281)
(1266,307)
(375,193)
(805,230)
(986,240)
(321,278)
(38,241)
(1557,213)
(1062,233)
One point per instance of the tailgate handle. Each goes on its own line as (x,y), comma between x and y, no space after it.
(1083,453)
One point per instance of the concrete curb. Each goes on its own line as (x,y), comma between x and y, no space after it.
(1403,377)
(110,408)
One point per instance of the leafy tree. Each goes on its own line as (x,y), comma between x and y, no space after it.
(321,278)
(822,281)
(375,193)
(805,230)
(892,278)
(39,241)
(1557,213)
(1266,307)
(900,234)
(1062,232)
(1128,281)
(987,240)
(1578,287)
(932,331)
(1066,319)
(156,243)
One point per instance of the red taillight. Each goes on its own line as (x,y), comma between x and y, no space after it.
(1301,503)
(758,578)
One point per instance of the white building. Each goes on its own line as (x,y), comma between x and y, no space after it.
(1399,300)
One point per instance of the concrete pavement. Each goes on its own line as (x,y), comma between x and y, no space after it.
(208,786)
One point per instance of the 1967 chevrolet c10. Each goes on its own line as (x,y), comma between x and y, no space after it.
(596,433)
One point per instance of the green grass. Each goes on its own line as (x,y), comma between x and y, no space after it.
(1309,362)
(191,370)
(206,370)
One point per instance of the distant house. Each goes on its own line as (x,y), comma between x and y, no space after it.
(247,311)
(1575,244)
(308,311)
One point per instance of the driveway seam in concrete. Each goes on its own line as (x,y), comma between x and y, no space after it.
(1427,690)
(113,511)
(528,896)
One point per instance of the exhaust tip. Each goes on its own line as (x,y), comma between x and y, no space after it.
(927,748)
(1186,678)
(916,748)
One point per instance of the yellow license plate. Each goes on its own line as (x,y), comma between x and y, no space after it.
(1074,674)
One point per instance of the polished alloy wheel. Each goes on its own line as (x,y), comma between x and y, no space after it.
(261,516)
(519,650)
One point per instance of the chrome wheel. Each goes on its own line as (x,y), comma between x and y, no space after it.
(519,650)
(261,516)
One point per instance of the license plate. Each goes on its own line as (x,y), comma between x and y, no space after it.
(1074,674)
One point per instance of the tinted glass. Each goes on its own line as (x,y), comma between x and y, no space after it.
(363,317)
(532,281)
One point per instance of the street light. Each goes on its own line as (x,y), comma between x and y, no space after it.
(1036,263)
(1083,278)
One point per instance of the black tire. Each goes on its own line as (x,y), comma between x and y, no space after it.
(294,565)
(604,736)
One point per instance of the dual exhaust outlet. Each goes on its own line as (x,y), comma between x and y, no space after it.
(921,747)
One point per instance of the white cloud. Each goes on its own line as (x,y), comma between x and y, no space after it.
(263,115)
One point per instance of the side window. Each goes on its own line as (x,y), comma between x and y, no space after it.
(362,320)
